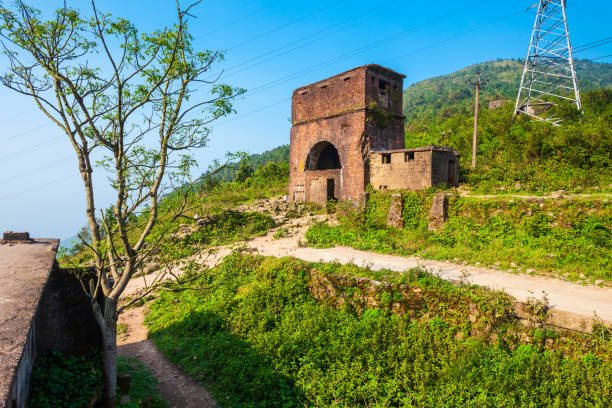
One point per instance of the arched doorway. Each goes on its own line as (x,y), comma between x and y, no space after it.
(323,156)
(323,173)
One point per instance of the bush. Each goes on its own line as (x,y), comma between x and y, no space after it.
(258,338)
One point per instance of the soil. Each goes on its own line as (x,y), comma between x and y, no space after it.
(176,388)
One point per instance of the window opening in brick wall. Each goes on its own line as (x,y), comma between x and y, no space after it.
(409,156)
(383,94)
(304,92)
(347,79)
(323,86)
(386,158)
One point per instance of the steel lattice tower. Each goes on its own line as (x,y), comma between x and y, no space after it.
(549,75)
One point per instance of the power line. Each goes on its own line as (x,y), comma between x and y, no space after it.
(605,56)
(234,22)
(25,132)
(47,166)
(318,66)
(29,149)
(38,187)
(356,51)
(257,37)
(366,15)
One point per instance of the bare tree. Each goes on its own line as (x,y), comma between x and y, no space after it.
(125,100)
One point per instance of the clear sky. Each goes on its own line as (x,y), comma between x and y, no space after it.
(272,48)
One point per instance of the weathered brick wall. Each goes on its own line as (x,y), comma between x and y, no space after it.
(346,134)
(375,74)
(336,111)
(401,174)
(332,96)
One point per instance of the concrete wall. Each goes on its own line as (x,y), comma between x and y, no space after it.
(400,174)
(317,185)
(445,168)
(429,166)
(45,309)
(64,320)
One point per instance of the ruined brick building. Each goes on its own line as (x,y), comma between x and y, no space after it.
(348,132)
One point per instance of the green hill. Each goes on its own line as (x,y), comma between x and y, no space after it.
(433,100)
(278,155)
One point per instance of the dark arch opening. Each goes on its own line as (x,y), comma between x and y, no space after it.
(323,156)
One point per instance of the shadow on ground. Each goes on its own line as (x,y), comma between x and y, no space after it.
(236,374)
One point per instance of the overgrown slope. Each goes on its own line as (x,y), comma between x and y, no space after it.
(253,332)
(433,100)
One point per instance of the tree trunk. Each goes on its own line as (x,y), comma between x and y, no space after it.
(109,363)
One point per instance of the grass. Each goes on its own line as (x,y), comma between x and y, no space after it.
(143,389)
(566,238)
(257,337)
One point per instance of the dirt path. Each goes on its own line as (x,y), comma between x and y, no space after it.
(181,391)
(581,300)
(175,387)
(552,196)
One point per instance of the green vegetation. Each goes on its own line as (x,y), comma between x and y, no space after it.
(521,154)
(73,382)
(143,389)
(279,156)
(253,334)
(569,238)
(434,100)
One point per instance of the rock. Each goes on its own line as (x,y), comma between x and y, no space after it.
(530,270)
(518,186)
(512,264)
(394,217)
(439,212)
(558,194)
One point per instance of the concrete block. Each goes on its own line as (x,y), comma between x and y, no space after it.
(439,212)
(16,236)
(394,217)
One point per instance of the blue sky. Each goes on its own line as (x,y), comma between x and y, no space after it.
(282,45)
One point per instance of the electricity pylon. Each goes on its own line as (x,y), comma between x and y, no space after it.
(549,75)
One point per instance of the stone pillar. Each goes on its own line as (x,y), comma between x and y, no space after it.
(439,212)
(394,217)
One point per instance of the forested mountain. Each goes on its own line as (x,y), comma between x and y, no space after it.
(429,102)
(278,155)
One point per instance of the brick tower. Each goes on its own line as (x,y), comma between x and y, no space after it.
(337,122)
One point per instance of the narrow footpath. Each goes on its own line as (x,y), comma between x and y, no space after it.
(176,388)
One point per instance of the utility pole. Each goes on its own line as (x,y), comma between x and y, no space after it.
(478,82)
(549,75)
